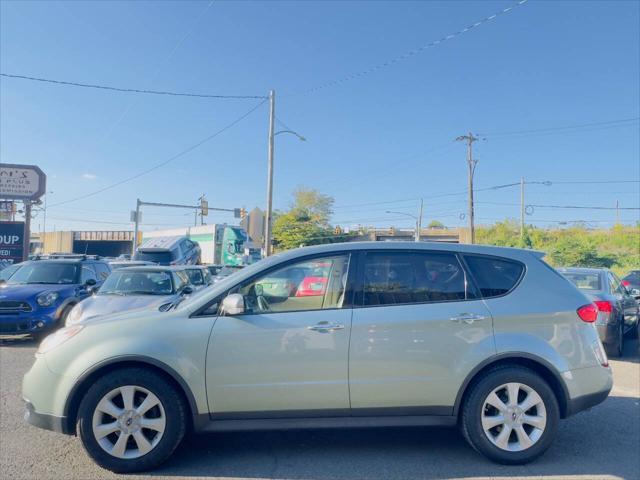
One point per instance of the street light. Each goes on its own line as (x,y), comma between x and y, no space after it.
(272,135)
(417,219)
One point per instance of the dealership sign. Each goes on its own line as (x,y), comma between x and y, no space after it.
(11,242)
(22,182)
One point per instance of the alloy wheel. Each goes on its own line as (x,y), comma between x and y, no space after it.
(128,422)
(514,417)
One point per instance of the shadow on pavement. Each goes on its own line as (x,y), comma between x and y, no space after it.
(18,342)
(596,443)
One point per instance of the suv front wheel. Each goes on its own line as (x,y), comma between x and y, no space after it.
(510,415)
(131,420)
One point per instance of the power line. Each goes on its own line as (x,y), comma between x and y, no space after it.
(622,121)
(584,207)
(413,52)
(130,90)
(167,161)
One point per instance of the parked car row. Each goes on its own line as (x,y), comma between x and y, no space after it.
(618,310)
(50,291)
(342,335)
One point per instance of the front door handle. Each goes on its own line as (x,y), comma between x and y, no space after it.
(468,318)
(325,327)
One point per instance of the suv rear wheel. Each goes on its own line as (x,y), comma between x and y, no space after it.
(131,420)
(510,415)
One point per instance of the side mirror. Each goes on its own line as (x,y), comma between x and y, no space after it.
(186,290)
(233,304)
(90,282)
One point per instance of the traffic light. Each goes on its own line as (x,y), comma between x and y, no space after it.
(204,207)
(243,213)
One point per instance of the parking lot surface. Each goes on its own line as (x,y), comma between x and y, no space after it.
(601,443)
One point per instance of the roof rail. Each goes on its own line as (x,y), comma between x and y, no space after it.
(62,256)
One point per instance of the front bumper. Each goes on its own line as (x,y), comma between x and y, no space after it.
(36,321)
(45,394)
(45,421)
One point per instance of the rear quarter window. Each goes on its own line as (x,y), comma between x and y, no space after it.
(494,276)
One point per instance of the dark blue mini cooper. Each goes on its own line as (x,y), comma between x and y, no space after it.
(40,294)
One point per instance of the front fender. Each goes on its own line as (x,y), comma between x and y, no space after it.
(176,345)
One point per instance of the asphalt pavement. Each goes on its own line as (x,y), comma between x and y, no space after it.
(601,443)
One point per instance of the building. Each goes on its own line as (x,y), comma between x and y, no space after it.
(106,243)
(446,235)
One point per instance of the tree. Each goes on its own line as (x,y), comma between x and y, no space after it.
(306,222)
(435,224)
(575,252)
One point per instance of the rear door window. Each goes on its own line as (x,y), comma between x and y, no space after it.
(397,278)
(494,276)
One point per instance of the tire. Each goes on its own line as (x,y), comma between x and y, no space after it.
(167,418)
(476,409)
(63,316)
(616,348)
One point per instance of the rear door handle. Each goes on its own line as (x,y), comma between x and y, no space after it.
(325,327)
(468,318)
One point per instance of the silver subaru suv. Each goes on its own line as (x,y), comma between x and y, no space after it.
(344,335)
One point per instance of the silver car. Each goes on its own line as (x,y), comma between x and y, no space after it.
(342,335)
(132,288)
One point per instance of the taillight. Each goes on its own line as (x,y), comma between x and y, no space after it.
(588,313)
(626,283)
(604,306)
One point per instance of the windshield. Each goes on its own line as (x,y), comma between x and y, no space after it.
(125,282)
(58,273)
(156,257)
(8,271)
(584,281)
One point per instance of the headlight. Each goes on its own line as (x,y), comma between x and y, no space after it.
(56,339)
(47,299)
(74,316)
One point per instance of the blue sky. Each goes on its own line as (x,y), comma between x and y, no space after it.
(386,136)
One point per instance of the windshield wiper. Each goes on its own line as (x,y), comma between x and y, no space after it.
(111,292)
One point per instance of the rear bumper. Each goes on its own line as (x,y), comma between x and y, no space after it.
(585,402)
(608,333)
(587,387)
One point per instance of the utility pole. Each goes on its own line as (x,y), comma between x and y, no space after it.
(44,219)
(522,209)
(27,230)
(471,164)
(419,222)
(136,228)
(617,212)
(269,212)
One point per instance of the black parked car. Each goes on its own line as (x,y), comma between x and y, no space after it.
(617,309)
(632,282)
